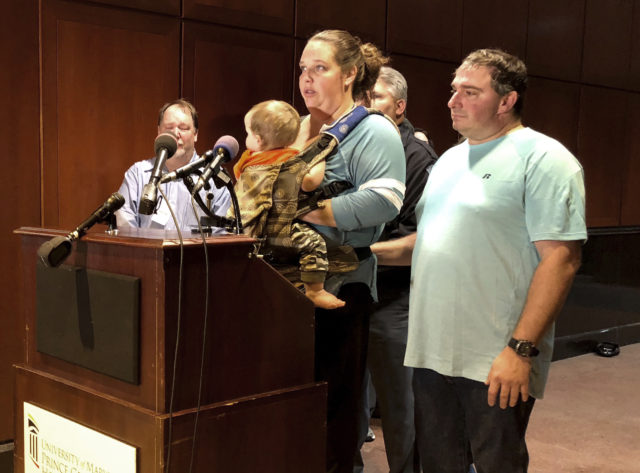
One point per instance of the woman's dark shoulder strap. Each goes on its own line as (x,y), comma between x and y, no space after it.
(330,139)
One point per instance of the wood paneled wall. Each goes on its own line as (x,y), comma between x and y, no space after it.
(105,72)
(20,180)
(82,82)
(225,73)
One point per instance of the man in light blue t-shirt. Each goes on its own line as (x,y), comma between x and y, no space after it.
(500,225)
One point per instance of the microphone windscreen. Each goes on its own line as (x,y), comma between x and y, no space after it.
(115,201)
(229,144)
(168,141)
(54,251)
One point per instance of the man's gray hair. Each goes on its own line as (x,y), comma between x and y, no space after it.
(395,81)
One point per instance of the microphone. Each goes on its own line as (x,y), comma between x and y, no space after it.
(165,146)
(113,203)
(225,149)
(56,250)
(188,169)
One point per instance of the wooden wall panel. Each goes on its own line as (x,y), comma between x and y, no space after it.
(613,259)
(429,85)
(554,40)
(552,107)
(607,42)
(634,66)
(630,171)
(19,181)
(601,147)
(227,71)
(275,15)
(363,18)
(430,29)
(170,7)
(106,72)
(298,101)
(495,24)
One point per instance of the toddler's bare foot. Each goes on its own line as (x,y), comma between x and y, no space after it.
(324,299)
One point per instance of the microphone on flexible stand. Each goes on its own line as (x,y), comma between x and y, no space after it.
(188,169)
(56,250)
(165,146)
(225,149)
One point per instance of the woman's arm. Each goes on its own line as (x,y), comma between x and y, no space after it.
(374,161)
(376,165)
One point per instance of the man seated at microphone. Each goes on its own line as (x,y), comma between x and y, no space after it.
(180,118)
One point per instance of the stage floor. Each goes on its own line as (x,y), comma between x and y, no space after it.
(588,422)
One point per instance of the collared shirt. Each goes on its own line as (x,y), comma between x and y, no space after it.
(138,175)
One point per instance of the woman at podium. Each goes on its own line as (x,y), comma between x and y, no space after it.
(335,69)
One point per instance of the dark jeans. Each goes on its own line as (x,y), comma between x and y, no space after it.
(456,427)
(341,351)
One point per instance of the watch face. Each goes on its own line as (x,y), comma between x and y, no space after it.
(524,348)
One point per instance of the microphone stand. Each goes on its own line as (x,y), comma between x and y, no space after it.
(222,179)
(236,209)
(112,224)
(211,219)
(53,252)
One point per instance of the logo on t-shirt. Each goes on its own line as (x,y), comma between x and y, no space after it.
(486,176)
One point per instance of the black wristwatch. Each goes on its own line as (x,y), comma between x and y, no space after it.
(523,347)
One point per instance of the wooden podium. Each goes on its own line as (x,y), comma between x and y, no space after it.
(100,348)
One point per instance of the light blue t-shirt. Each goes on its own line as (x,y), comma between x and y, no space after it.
(482,209)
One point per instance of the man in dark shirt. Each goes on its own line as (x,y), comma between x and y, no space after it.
(388,325)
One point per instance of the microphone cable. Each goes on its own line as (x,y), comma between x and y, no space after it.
(178,320)
(204,331)
(236,207)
